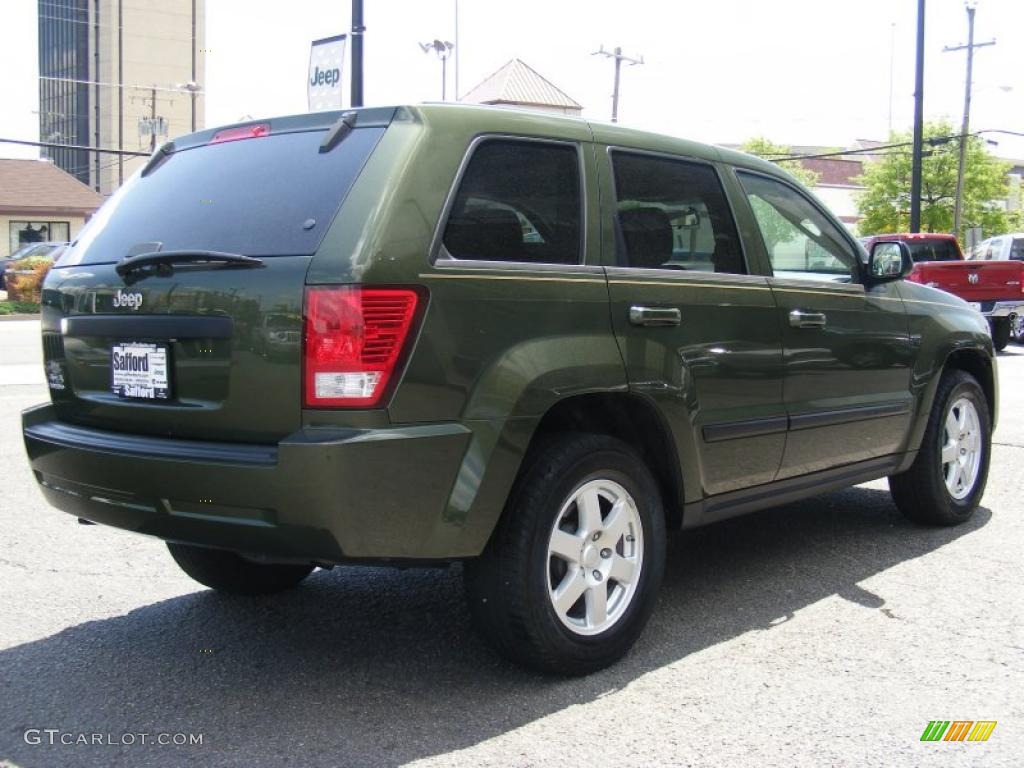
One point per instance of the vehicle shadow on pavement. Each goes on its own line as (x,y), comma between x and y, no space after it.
(365,666)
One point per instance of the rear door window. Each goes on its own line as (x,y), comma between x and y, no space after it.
(518,201)
(270,196)
(672,214)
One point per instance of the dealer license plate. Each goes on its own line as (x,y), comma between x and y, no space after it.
(139,371)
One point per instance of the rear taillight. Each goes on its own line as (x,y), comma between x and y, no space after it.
(352,341)
(251,131)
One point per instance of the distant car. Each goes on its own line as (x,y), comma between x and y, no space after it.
(50,250)
(1001,248)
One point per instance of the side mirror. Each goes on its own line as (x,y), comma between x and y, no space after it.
(889,261)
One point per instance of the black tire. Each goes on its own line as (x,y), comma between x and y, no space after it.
(508,585)
(230,572)
(1000,332)
(921,492)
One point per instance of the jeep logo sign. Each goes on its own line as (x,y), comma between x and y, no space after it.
(326,61)
(132,301)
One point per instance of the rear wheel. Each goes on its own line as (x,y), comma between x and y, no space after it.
(1017,328)
(1000,332)
(945,483)
(571,574)
(230,572)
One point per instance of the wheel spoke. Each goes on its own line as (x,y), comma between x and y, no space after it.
(952,428)
(950,452)
(588,505)
(569,591)
(622,570)
(616,524)
(597,604)
(565,546)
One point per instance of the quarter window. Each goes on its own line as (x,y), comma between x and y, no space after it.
(518,201)
(673,214)
(800,241)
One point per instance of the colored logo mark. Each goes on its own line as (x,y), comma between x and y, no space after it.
(958,730)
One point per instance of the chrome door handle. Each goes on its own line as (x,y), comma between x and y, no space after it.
(800,319)
(655,316)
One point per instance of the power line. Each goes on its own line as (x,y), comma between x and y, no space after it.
(52,145)
(183,89)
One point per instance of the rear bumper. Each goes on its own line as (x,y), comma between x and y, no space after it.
(1002,308)
(330,495)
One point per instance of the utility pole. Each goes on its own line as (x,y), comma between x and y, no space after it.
(619,58)
(971,45)
(892,67)
(152,119)
(356,97)
(915,161)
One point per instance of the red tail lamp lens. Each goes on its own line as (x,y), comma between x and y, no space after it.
(353,339)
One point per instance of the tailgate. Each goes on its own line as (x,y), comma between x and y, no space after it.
(974,280)
(210,354)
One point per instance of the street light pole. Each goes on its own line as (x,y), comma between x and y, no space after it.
(356,96)
(619,58)
(965,128)
(443,49)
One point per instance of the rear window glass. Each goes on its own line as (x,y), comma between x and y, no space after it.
(933,250)
(270,196)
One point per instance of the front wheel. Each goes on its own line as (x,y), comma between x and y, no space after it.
(945,483)
(230,572)
(571,574)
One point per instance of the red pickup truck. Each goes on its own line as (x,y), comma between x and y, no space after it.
(994,288)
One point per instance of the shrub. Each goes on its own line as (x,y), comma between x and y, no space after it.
(18,308)
(25,279)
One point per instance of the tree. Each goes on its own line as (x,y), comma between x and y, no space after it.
(885,203)
(763,148)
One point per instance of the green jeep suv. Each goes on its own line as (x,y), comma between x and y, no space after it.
(532,344)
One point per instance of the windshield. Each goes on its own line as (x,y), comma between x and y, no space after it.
(269,196)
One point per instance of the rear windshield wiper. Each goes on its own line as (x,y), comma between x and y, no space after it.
(342,128)
(131,263)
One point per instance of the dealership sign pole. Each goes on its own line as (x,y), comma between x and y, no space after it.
(326,60)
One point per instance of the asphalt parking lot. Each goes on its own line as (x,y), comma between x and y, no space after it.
(827,632)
